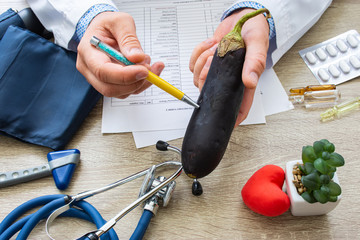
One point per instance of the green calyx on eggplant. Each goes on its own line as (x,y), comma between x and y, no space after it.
(210,127)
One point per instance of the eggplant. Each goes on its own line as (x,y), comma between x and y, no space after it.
(210,126)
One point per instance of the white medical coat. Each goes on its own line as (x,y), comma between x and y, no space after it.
(292,19)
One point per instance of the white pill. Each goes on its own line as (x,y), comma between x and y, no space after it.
(354,61)
(323,74)
(344,66)
(321,54)
(334,71)
(331,50)
(341,45)
(310,57)
(353,42)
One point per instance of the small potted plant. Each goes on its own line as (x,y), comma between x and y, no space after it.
(312,184)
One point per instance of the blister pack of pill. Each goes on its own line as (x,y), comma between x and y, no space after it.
(336,60)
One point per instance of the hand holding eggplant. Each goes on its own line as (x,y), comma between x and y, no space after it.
(211,125)
(255,33)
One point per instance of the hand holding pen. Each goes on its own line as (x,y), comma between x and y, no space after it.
(109,78)
(152,77)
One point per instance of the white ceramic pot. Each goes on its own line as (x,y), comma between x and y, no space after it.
(300,207)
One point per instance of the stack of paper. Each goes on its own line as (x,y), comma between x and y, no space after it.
(169,32)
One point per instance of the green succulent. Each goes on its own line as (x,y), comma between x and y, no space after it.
(319,165)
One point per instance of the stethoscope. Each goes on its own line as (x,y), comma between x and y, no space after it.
(153,192)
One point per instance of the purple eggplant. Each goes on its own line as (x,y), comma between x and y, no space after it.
(210,127)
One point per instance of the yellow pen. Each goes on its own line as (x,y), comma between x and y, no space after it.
(152,77)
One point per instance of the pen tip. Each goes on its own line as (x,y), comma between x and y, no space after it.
(190,101)
(194,104)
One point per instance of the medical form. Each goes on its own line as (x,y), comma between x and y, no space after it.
(168,32)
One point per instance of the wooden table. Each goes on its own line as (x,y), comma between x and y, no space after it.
(220,212)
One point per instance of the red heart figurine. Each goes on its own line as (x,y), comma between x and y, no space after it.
(263,192)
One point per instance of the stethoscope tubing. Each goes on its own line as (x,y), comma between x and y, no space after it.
(142,225)
(37,216)
(15,227)
(20,210)
(50,203)
(98,220)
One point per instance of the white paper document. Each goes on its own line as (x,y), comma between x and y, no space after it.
(275,99)
(168,32)
(147,138)
(270,98)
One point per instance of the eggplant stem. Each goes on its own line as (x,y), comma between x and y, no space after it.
(233,40)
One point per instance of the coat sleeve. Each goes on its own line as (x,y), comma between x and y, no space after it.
(62,17)
(292,19)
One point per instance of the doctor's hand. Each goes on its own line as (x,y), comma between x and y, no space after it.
(107,76)
(255,33)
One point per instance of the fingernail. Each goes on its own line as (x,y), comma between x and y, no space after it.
(147,60)
(161,67)
(213,48)
(254,78)
(209,41)
(208,63)
(134,51)
(141,75)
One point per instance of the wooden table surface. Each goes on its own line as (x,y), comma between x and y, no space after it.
(220,212)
